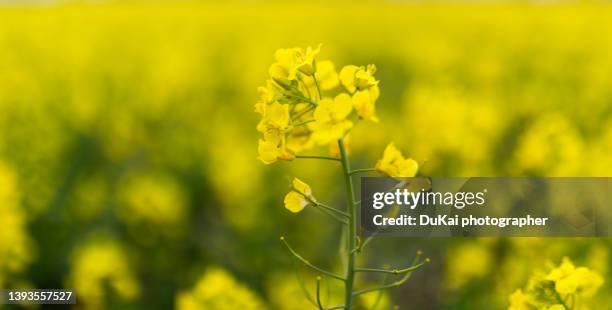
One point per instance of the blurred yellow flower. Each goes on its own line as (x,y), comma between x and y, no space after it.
(274,126)
(364,102)
(564,270)
(275,121)
(217,289)
(569,279)
(290,61)
(270,152)
(15,244)
(358,78)
(98,266)
(562,283)
(330,119)
(300,197)
(267,95)
(289,295)
(561,155)
(519,301)
(284,69)
(470,261)
(394,164)
(305,59)
(299,139)
(326,75)
(153,201)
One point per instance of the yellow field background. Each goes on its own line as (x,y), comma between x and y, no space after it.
(128,147)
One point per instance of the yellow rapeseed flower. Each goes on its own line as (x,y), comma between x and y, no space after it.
(364,102)
(519,301)
(330,118)
(270,152)
(326,75)
(569,279)
(267,95)
(290,61)
(300,197)
(394,164)
(358,78)
(305,59)
(327,79)
(299,139)
(284,69)
(218,289)
(274,125)
(275,120)
(545,291)
(564,270)
(100,268)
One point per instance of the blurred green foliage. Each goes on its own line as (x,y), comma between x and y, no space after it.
(128,146)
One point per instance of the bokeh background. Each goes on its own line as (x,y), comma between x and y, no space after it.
(128,146)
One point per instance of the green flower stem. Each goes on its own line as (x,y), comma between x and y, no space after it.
(319,293)
(334,216)
(303,123)
(365,242)
(318,204)
(332,209)
(305,86)
(390,285)
(317,86)
(384,287)
(311,102)
(561,301)
(314,77)
(304,111)
(392,271)
(317,157)
(336,307)
(308,264)
(352,227)
(362,171)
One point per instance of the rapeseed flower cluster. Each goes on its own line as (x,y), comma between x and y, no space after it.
(559,289)
(217,289)
(99,269)
(297,114)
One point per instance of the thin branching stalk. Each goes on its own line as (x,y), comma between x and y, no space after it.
(304,123)
(302,112)
(307,263)
(391,271)
(356,171)
(317,157)
(319,293)
(392,284)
